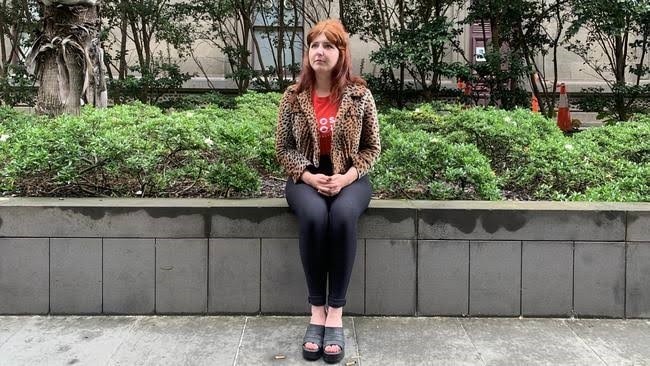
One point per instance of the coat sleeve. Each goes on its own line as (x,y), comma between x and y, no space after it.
(369,144)
(291,160)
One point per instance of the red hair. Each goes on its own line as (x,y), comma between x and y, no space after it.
(342,72)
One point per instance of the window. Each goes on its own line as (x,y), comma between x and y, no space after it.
(479,40)
(268,49)
(269,33)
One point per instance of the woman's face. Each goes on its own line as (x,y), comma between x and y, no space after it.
(323,55)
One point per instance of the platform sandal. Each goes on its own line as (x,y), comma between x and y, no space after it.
(334,336)
(314,334)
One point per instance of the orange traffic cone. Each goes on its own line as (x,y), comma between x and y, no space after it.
(563,114)
(468,89)
(534,104)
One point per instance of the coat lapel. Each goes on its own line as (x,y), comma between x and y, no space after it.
(304,101)
(344,106)
(352,90)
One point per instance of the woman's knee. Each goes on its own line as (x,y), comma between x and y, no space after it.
(348,208)
(308,206)
(343,218)
(314,218)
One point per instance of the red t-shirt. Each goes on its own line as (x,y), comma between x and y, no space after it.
(325,110)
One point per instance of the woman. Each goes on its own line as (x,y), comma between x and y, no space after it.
(327,140)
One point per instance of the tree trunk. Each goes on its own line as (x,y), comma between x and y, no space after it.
(124,29)
(3,54)
(69,59)
(620,54)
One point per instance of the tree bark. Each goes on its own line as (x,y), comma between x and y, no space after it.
(124,28)
(69,60)
(3,54)
(620,54)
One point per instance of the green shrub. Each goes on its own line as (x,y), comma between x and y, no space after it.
(627,140)
(419,165)
(160,78)
(190,102)
(591,164)
(261,111)
(17,86)
(597,100)
(622,153)
(531,157)
(423,118)
(235,176)
(430,152)
(632,187)
(11,119)
(551,170)
(502,136)
(137,150)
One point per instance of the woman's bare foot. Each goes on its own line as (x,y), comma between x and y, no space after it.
(334,320)
(318,317)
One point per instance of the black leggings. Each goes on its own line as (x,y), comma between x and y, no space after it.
(328,234)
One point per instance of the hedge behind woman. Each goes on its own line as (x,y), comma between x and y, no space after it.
(327,141)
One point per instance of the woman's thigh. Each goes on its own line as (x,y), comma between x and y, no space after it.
(304,200)
(353,200)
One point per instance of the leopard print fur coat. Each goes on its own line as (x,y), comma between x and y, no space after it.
(355,140)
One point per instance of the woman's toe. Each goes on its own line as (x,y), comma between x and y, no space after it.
(311,346)
(332,349)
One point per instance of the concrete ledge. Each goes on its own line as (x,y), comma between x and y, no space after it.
(638,225)
(503,221)
(193,256)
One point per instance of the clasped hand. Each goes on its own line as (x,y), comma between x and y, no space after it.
(327,185)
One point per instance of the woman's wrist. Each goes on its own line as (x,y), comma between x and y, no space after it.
(305,176)
(352,174)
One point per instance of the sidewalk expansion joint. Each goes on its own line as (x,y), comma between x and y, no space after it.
(241,340)
(356,341)
(478,353)
(583,341)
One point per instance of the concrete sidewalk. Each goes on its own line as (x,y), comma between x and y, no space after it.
(275,340)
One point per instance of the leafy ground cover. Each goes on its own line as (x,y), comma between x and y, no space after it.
(227,150)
